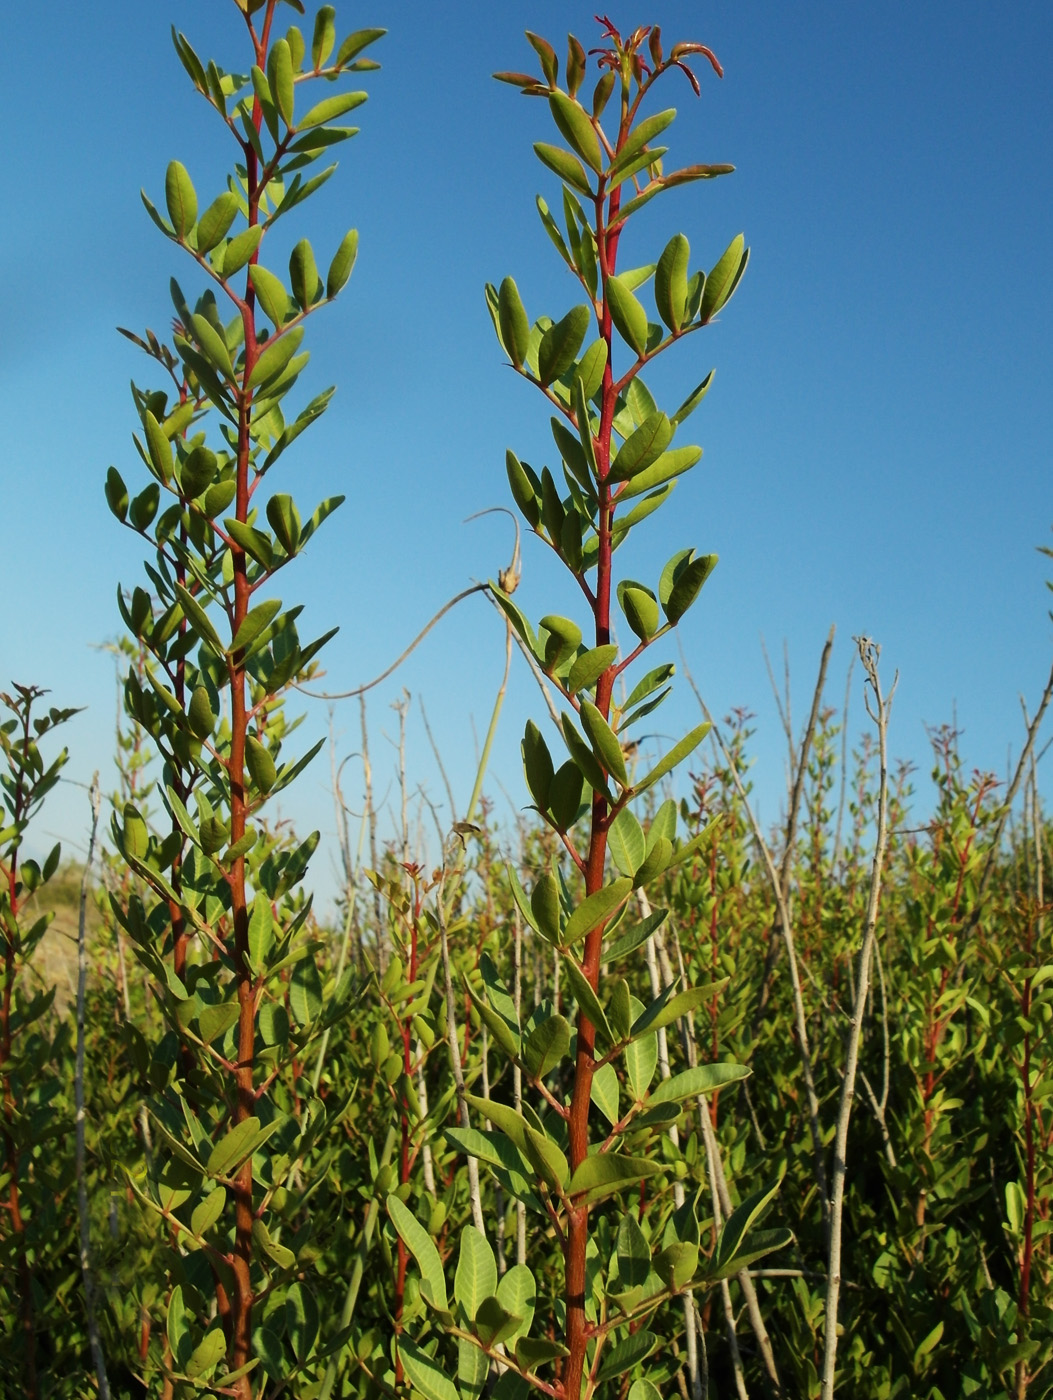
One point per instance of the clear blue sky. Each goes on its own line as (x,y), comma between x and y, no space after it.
(876,440)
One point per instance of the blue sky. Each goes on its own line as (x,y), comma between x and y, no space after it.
(875,442)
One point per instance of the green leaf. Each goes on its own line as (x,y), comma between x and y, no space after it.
(517,1293)
(275,356)
(576,127)
(605,1174)
(627,1353)
(667,1008)
(270,293)
(722,281)
(692,1083)
(595,909)
(671,464)
(515,327)
(422,1247)
(591,367)
(676,755)
(324,38)
(590,666)
(424,1374)
(240,249)
(693,399)
(564,795)
(583,757)
(329,109)
(604,742)
(524,492)
(284,520)
(254,623)
(180,198)
(198,618)
(588,1002)
(545,906)
(633,1253)
(688,585)
(343,263)
(564,638)
(355,43)
(215,1020)
(260,765)
(532,1352)
(233,1148)
(546,1045)
(197,471)
(494,1323)
(476,1276)
(280,78)
(254,542)
(283,1257)
(625,841)
(627,314)
(212,345)
(305,992)
(561,343)
(537,762)
(503,1033)
(158,446)
(640,607)
(565,165)
(208,1211)
(754,1246)
(642,448)
(638,138)
(116,494)
(303,275)
(670,282)
(604,1092)
(215,222)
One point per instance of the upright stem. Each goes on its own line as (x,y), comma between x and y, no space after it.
(868,655)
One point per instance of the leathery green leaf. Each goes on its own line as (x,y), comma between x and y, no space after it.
(640,607)
(596,909)
(254,622)
(329,109)
(575,126)
(627,1353)
(546,1045)
(604,1174)
(424,1374)
(275,355)
(517,1293)
(422,1247)
(688,586)
(212,344)
(515,327)
(625,841)
(270,293)
(722,281)
(494,1323)
(198,618)
(280,78)
(545,906)
(643,447)
(605,1092)
(676,755)
(561,343)
(582,756)
(158,446)
(476,1276)
(703,1079)
(260,765)
(565,165)
(627,314)
(180,198)
(537,761)
(215,222)
(633,1253)
(638,138)
(740,1221)
(343,263)
(591,367)
(498,1026)
(667,1008)
(532,1352)
(303,274)
(670,282)
(590,666)
(604,742)
(284,520)
(588,1002)
(324,38)
(233,1147)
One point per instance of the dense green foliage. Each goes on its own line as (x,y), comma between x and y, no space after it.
(512,1124)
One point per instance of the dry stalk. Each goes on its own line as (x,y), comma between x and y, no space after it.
(97,1357)
(869,654)
(800,1019)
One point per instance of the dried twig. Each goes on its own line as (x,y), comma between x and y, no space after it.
(869,653)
